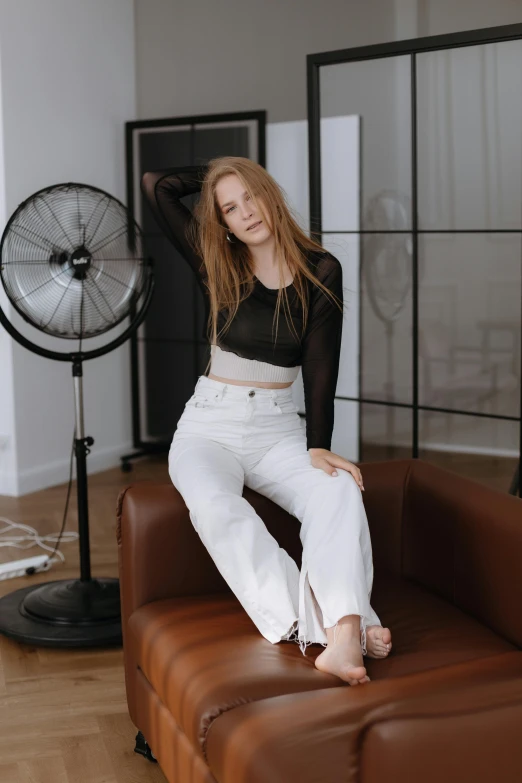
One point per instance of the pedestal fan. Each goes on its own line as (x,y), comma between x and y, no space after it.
(71,265)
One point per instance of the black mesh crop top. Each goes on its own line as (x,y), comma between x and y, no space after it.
(250,333)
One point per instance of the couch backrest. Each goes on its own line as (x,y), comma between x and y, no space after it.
(383,498)
(463,540)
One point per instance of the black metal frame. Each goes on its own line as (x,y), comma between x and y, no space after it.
(410,47)
(144,447)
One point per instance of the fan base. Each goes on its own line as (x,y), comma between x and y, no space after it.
(65,613)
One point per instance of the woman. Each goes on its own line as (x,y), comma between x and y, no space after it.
(241,426)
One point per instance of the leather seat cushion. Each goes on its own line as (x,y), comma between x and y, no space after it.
(204,655)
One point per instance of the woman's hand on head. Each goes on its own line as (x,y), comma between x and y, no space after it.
(328,461)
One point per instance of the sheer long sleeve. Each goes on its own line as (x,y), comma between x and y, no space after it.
(321,350)
(164,191)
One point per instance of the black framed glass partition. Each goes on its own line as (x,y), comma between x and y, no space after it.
(168,353)
(423,206)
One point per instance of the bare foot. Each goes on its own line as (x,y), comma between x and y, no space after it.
(344,659)
(378,641)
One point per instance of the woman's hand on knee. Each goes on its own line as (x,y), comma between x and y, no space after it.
(328,461)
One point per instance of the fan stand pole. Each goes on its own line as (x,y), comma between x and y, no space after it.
(81,449)
(81,612)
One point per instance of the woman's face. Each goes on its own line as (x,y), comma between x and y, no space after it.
(239,212)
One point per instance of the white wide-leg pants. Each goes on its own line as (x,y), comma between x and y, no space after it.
(230,436)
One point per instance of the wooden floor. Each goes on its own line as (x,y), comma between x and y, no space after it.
(63,713)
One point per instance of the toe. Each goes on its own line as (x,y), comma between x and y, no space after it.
(386,636)
(379,634)
(379,650)
(359,682)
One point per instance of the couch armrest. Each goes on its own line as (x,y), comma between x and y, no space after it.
(160,554)
(438,718)
(463,541)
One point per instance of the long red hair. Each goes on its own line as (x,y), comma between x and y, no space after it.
(229,267)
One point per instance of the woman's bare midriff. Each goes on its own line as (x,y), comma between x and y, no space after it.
(257,384)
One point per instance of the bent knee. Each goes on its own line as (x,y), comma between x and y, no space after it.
(343,484)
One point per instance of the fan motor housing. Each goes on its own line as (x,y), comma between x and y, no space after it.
(80,261)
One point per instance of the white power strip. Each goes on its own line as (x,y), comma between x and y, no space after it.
(19,567)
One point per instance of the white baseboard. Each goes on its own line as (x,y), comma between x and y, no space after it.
(8,483)
(51,474)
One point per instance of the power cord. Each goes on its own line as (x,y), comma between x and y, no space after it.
(34,538)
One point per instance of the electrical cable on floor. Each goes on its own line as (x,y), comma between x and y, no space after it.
(34,537)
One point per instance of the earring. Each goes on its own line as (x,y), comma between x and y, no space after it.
(228,237)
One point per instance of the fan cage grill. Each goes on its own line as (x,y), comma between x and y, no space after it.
(72,261)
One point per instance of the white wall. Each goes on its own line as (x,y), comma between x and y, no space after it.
(68,86)
(204,56)
(8,481)
(437,17)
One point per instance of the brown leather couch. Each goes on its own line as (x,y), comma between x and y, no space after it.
(217,702)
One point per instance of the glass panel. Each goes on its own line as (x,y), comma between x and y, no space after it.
(345,437)
(469,110)
(212,140)
(340,173)
(485,450)
(386,432)
(170,371)
(379,93)
(469,322)
(171,351)
(387,317)
(158,148)
(346,248)
(171,312)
